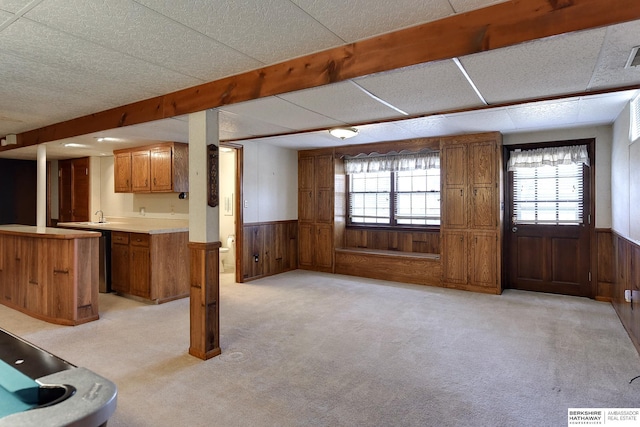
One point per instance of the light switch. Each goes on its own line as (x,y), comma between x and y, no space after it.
(246,204)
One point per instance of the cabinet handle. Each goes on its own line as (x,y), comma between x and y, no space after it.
(33,282)
(461,239)
(154,181)
(461,192)
(55,271)
(475,191)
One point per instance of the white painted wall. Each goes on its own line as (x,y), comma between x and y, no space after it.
(160,205)
(270,183)
(603,136)
(620,182)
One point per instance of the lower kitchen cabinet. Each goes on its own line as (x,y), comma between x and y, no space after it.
(150,266)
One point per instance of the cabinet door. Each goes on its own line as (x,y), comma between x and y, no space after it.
(482,163)
(455,165)
(140,172)
(454,256)
(161,169)
(324,172)
(120,262)
(323,247)
(140,271)
(306,207)
(482,259)
(454,207)
(305,173)
(305,245)
(483,213)
(122,172)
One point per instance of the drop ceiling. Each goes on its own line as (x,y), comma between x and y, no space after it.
(61,59)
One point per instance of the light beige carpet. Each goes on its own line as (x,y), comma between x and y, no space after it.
(310,349)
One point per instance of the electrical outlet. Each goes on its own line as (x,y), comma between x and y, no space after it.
(627,295)
(255,258)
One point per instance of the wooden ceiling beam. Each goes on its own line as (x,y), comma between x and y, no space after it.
(501,25)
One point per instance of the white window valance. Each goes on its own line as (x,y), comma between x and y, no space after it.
(549,156)
(391,162)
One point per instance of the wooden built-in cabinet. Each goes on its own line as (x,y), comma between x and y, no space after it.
(150,266)
(315,210)
(152,169)
(471,212)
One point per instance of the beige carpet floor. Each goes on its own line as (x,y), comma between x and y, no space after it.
(310,349)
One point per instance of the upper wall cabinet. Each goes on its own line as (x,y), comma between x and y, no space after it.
(159,168)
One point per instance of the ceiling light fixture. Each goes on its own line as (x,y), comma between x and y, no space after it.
(343,133)
(74,145)
(105,138)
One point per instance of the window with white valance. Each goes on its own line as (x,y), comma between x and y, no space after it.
(548,185)
(394,189)
(549,156)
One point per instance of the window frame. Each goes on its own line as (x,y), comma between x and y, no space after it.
(393,226)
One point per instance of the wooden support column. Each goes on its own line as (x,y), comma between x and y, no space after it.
(203,236)
(205,296)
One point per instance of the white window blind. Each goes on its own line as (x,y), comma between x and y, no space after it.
(551,195)
(635,119)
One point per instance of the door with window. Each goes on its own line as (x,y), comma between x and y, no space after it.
(549,208)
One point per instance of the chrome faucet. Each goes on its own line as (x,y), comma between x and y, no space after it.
(101,217)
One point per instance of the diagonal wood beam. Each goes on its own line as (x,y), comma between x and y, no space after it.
(504,24)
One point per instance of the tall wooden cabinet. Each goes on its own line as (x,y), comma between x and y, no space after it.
(315,210)
(471,206)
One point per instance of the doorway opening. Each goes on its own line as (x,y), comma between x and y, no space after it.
(230,213)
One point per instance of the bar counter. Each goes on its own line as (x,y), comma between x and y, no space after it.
(50,273)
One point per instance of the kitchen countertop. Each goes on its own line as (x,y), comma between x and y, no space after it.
(46,232)
(133,225)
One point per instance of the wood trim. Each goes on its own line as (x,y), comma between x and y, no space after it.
(501,25)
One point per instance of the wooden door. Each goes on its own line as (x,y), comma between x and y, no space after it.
(140,172)
(64,191)
(80,190)
(161,169)
(550,257)
(122,172)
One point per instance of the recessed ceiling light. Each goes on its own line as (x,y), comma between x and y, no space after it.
(74,145)
(106,138)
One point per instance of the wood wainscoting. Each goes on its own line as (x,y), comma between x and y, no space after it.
(626,263)
(605,272)
(269,248)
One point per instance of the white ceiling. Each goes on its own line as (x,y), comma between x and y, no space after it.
(61,59)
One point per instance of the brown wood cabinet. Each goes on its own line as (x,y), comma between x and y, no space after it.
(150,266)
(316,210)
(73,190)
(52,276)
(471,212)
(152,169)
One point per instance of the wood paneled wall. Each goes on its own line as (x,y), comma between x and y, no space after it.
(269,248)
(426,242)
(605,268)
(626,266)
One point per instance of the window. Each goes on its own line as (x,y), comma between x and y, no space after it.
(548,186)
(634,132)
(404,198)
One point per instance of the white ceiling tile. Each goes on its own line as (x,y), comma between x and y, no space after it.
(603,108)
(461,6)
(13,6)
(610,71)
(303,141)
(47,46)
(548,114)
(436,125)
(342,102)
(381,132)
(4,17)
(358,19)
(134,29)
(279,29)
(245,126)
(552,66)
(488,120)
(426,88)
(281,113)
